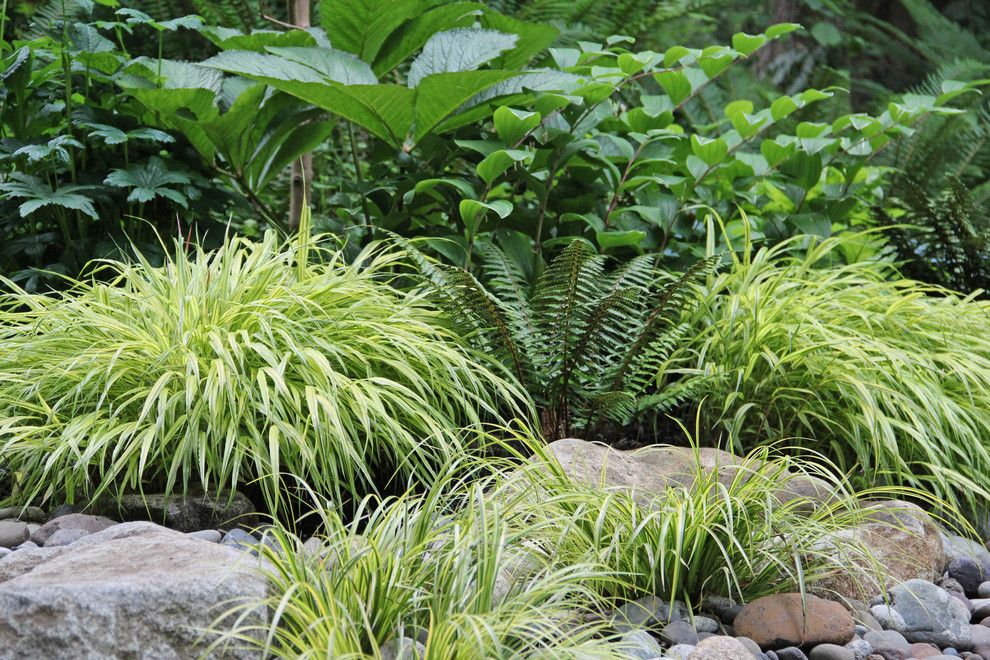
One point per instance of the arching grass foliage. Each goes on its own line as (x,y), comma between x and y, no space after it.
(889,378)
(221,368)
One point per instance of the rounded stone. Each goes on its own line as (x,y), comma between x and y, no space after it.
(921,650)
(888,643)
(640,645)
(983,591)
(66,536)
(705,625)
(861,649)
(720,647)
(13,533)
(679,652)
(679,632)
(753,647)
(82,521)
(931,614)
(725,609)
(831,652)
(967,573)
(783,620)
(209,535)
(791,653)
(30,514)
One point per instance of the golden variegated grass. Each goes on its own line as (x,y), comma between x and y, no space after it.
(422,568)
(888,377)
(237,365)
(508,558)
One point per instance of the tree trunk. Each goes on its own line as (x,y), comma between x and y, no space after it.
(302,169)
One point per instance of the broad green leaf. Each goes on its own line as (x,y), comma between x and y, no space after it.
(363,26)
(780,29)
(497,162)
(461,49)
(533,38)
(440,95)
(782,107)
(711,151)
(149,181)
(826,34)
(613,239)
(427,185)
(511,125)
(473,212)
(258,40)
(747,44)
(419,29)
(264,65)
(336,65)
(775,152)
(676,84)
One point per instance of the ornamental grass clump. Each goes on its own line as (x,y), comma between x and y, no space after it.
(751,534)
(239,365)
(420,568)
(889,378)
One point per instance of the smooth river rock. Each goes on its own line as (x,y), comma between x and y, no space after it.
(782,620)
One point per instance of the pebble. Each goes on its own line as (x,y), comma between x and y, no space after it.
(888,644)
(4,552)
(752,646)
(981,608)
(679,651)
(791,653)
(65,536)
(402,648)
(24,514)
(967,573)
(983,591)
(240,539)
(645,612)
(724,608)
(861,649)
(920,650)
(26,545)
(784,620)
(13,533)
(705,625)
(679,632)
(83,521)
(888,617)
(720,647)
(831,652)
(209,535)
(640,644)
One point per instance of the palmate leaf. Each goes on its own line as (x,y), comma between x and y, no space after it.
(57,148)
(390,112)
(111,135)
(149,181)
(39,195)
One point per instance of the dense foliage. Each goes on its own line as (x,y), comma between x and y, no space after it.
(222,368)
(888,377)
(410,243)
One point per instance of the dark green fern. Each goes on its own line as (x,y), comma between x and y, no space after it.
(587,342)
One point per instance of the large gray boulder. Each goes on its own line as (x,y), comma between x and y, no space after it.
(901,543)
(648,472)
(132,590)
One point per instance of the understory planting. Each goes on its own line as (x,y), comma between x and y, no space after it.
(239,366)
(410,305)
(888,377)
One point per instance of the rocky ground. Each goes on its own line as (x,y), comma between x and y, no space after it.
(77,585)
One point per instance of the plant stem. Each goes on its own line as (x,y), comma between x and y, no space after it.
(359,175)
